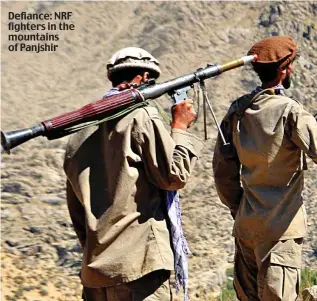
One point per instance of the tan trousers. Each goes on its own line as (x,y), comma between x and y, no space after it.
(152,287)
(267,271)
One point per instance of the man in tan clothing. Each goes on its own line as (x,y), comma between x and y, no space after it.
(117,177)
(269,136)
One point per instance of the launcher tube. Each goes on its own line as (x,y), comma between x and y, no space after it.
(55,127)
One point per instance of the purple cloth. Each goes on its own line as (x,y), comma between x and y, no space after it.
(112,91)
(179,243)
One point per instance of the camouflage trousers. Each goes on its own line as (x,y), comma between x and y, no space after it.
(267,271)
(154,286)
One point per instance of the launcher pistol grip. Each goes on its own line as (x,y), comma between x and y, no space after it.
(180,94)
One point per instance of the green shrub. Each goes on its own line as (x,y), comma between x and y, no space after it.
(43,292)
(228,292)
(229,272)
(308,278)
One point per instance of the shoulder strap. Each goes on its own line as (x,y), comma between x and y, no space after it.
(166,118)
(245,101)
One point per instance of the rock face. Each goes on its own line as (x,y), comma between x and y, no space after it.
(40,252)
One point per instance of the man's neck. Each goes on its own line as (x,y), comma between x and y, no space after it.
(271,84)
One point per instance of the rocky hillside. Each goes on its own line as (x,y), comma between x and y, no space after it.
(40,252)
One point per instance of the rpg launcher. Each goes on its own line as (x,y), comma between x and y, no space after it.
(113,106)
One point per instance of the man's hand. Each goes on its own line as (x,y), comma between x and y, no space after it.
(183,114)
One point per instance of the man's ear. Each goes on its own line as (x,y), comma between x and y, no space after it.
(137,80)
(146,76)
(281,71)
(290,68)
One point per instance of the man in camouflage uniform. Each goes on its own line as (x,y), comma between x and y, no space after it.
(269,135)
(117,177)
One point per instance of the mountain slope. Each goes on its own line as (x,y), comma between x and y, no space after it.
(37,236)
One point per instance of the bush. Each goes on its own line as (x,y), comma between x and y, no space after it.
(308,279)
(228,292)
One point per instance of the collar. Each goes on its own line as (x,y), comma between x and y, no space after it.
(278,90)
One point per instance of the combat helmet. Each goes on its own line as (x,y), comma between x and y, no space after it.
(133,57)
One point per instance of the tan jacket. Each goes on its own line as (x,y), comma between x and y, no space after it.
(267,155)
(116,177)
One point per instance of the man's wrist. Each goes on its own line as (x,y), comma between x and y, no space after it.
(179,125)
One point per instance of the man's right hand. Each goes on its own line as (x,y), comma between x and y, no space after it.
(183,114)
